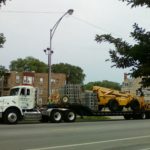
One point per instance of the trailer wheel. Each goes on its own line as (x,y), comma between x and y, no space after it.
(113,105)
(56,116)
(1,120)
(69,116)
(147,115)
(142,116)
(11,116)
(135,105)
(136,116)
(127,116)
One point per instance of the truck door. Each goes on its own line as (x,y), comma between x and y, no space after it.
(24,98)
(1,104)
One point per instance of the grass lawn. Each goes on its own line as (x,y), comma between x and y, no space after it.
(91,118)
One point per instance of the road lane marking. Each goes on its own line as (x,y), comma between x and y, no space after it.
(90,143)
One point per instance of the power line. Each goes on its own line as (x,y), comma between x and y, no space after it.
(95,26)
(90,24)
(29,12)
(53,12)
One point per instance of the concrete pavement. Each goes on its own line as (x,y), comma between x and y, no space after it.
(101,135)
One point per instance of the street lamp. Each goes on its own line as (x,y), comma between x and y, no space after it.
(49,51)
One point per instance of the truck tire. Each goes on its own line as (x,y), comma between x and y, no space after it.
(56,116)
(113,105)
(147,115)
(11,116)
(69,116)
(1,120)
(136,116)
(142,116)
(135,105)
(127,116)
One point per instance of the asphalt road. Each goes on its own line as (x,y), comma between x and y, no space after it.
(101,135)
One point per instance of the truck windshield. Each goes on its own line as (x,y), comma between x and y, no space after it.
(14,91)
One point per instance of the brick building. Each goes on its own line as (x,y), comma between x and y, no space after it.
(38,80)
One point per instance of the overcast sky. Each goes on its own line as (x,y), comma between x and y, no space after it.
(26,25)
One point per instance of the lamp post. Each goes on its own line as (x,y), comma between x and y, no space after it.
(49,50)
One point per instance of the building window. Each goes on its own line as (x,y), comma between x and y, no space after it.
(41,80)
(125,84)
(17,79)
(53,80)
(28,80)
(40,91)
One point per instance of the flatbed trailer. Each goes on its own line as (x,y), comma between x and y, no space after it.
(82,110)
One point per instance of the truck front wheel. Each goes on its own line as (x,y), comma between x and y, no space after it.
(11,116)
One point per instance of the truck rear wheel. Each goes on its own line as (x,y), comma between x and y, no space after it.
(69,116)
(11,116)
(56,116)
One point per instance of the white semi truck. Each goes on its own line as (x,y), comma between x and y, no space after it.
(21,104)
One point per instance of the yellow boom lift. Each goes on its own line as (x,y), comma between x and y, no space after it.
(116,100)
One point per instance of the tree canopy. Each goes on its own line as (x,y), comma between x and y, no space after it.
(2,70)
(28,64)
(136,56)
(135,3)
(2,40)
(2,1)
(74,74)
(104,83)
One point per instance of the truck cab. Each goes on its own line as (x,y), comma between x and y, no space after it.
(21,103)
(25,96)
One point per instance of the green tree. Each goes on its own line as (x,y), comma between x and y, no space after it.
(2,71)
(104,83)
(74,74)
(136,56)
(28,64)
(135,3)
(2,40)
(2,2)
